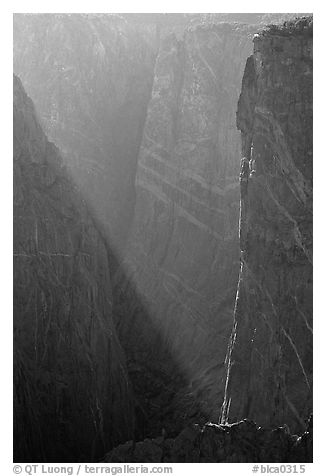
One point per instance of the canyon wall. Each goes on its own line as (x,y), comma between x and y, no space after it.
(270,353)
(174,314)
(148,107)
(144,115)
(72,396)
(90,77)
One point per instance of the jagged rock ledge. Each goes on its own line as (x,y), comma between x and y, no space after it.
(241,442)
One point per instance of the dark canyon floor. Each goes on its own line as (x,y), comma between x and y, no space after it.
(162,305)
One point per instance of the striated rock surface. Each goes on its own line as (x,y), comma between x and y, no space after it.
(144,113)
(270,353)
(241,442)
(72,399)
(174,314)
(90,77)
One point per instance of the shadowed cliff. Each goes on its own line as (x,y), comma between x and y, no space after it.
(124,289)
(166,131)
(270,353)
(269,361)
(72,396)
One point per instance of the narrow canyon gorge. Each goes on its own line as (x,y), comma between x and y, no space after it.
(162,237)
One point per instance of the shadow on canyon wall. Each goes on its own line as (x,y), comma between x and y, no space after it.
(74,396)
(121,325)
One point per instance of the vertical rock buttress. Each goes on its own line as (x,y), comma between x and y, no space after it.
(270,352)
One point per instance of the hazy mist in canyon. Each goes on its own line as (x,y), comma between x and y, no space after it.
(162,237)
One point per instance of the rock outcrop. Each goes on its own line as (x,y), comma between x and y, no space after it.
(174,314)
(270,354)
(241,442)
(72,397)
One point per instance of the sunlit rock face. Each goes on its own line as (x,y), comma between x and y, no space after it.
(270,354)
(90,77)
(182,258)
(71,393)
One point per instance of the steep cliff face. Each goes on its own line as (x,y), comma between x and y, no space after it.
(72,398)
(145,116)
(182,257)
(90,77)
(270,354)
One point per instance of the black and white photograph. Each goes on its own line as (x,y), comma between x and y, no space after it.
(162,241)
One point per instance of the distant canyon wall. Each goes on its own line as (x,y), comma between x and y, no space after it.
(270,353)
(174,314)
(90,77)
